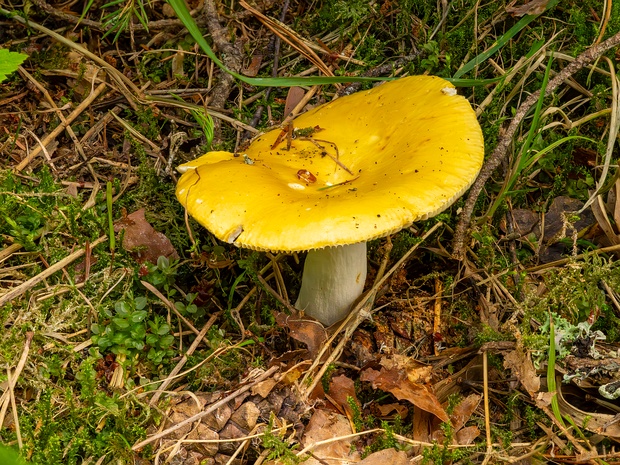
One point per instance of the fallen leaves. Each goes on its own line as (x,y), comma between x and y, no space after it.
(329,426)
(142,240)
(309,332)
(520,363)
(406,379)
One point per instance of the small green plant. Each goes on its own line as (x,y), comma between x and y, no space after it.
(189,308)
(206,124)
(280,451)
(118,20)
(163,275)
(128,332)
(441,453)
(387,440)
(356,413)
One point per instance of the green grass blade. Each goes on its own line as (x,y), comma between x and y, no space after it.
(522,161)
(503,40)
(182,12)
(551,385)
(473,82)
(534,126)
(86,9)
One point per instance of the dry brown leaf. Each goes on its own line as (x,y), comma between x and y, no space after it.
(461,414)
(340,389)
(464,410)
(387,409)
(543,399)
(264,387)
(467,435)
(422,427)
(328,425)
(386,457)
(417,372)
(141,239)
(522,367)
(396,382)
(535,7)
(254,67)
(309,332)
(294,96)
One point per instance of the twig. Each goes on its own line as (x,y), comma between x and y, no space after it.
(183,360)
(206,412)
(19,290)
(61,127)
(171,306)
(564,261)
(14,408)
(501,149)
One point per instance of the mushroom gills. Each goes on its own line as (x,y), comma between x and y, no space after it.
(333,279)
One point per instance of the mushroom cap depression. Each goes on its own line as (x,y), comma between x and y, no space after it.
(360,167)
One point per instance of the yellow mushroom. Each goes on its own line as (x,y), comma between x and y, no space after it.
(358,168)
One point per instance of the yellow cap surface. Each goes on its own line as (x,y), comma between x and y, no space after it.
(405,151)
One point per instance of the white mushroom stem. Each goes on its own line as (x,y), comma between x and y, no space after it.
(333,279)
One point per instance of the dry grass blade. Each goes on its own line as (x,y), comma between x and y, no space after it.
(290,37)
(8,395)
(32,282)
(614,127)
(127,87)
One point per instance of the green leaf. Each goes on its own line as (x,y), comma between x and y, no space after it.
(122,308)
(9,62)
(138,333)
(9,456)
(166,341)
(163,329)
(138,316)
(121,323)
(140,302)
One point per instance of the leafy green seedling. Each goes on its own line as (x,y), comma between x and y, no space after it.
(163,275)
(9,62)
(130,332)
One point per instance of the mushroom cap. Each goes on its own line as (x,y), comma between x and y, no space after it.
(360,167)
